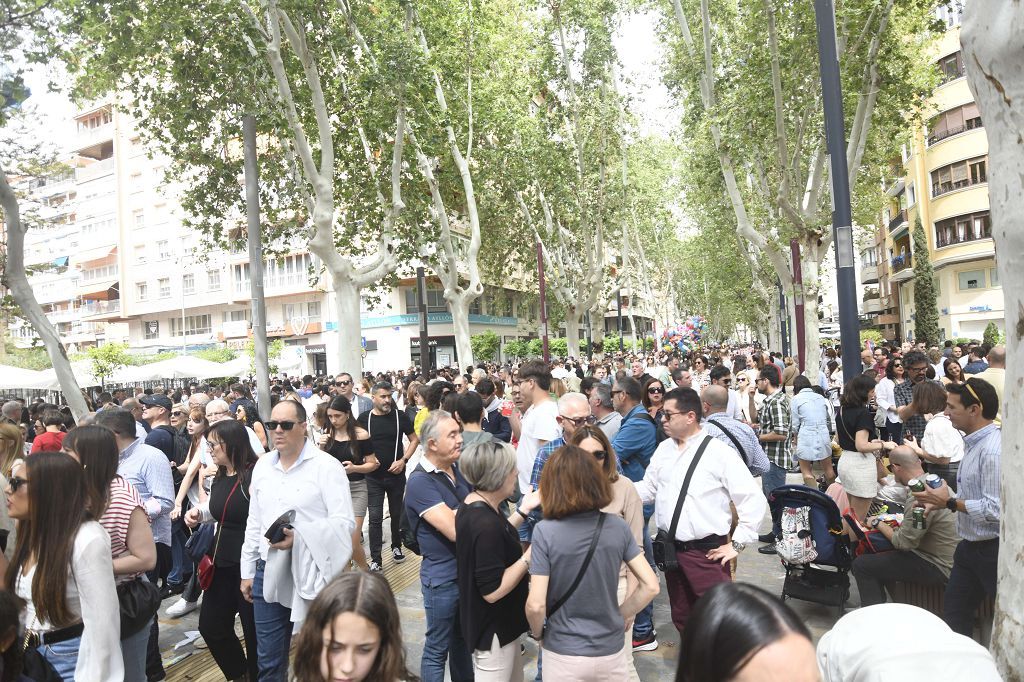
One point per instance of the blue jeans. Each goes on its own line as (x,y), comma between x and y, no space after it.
(273,632)
(181,564)
(443,640)
(63,656)
(643,624)
(775,477)
(133,655)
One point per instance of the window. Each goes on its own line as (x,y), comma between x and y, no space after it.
(475,307)
(951,67)
(141,291)
(954,122)
(911,197)
(139,219)
(164,285)
(313,311)
(105,272)
(194,325)
(959,175)
(213,280)
(188,283)
(151,329)
(140,253)
(971,279)
(135,181)
(163,249)
(950,14)
(435,301)
(962,229)
(237,315)
(993,277)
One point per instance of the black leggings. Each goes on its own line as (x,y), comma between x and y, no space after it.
(217,625)
(394,487)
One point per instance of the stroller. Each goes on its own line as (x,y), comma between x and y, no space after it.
(810,581)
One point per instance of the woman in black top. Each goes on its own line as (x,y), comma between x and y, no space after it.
(228,505)
(859,466)
(491,563)
(338,440)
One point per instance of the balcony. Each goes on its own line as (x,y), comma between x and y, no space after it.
(86,140)
(902,267)
(101,308)
(869,274)
(939,136)
(898,221)
(95,170)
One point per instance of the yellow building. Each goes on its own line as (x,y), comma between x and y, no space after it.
(945,185)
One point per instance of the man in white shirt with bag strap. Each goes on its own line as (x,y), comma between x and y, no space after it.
(701,545)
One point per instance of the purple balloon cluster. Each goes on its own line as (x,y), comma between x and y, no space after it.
(685,336)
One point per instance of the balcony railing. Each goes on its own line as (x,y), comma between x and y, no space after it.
(971,124)
(940,188)
(94,170)
(951,236)
(901,262)
(898,220)
(100,307)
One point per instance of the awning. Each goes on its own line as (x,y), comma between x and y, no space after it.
(61,261)
(100,253)
(100,290)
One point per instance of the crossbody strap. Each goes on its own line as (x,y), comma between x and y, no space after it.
(735,441)
(583,569)
(686,486)
(224,515)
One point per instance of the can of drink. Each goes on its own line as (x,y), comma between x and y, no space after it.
(918,517)
(933,481)
(916,485)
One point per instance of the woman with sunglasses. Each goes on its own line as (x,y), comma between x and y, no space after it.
(653,399)
(63,570)
(116,504)
(228,505)
(626,504)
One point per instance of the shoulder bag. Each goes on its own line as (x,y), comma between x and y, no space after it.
(138,601)
(560,602)
(206,564)
(735,441)
(664,543)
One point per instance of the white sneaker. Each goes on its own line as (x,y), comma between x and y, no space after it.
(180,608)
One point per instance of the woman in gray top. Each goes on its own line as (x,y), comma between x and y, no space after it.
(582,638)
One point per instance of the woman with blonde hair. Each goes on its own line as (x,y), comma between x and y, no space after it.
(12,447)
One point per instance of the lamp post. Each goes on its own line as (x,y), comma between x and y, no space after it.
(842,221)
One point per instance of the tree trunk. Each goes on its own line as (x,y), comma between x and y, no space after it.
(812,338)
(21,291)
(350,348)
(993,53)
(572,332)
(459,305)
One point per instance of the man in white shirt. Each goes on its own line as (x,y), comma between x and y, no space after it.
(540,424)
(295,476)
(701,539)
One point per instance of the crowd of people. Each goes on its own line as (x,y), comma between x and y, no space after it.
(528,491)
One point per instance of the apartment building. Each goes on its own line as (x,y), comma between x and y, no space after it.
(942,182)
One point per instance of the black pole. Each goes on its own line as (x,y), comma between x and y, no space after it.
(618,319)
(842,221)
(421,295)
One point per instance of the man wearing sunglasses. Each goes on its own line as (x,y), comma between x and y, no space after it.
(573,412)
(344,385)
(298,477)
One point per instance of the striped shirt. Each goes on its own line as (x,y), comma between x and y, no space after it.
(978,485)
(124,499)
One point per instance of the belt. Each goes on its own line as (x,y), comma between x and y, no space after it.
(36,639)
(710,542)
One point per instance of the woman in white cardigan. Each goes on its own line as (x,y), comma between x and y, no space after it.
(63,570)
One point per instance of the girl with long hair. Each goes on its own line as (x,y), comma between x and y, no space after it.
(653,398)
(859,466)
(63,570)
(253,422)
(352,632)
(117,506)
(228,505)
(350,444)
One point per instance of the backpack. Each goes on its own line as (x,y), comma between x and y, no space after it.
(182,444)
(659,433)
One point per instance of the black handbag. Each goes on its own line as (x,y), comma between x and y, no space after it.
(663,546)
(200,542)
(138,600)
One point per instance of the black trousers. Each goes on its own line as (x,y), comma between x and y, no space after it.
(394,487)
(154,663)
(972,579)
(217,625)
(873,570)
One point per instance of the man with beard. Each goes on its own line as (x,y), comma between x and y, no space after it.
(386,426)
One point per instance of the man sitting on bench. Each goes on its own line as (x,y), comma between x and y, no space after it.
(922,555)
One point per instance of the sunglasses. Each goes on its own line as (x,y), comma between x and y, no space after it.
(285,425)
(177,413)
(342,383)
(654,389)
(16,482)
(725,382)
(578,421)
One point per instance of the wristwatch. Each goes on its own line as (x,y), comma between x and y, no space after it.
(875,522)
(951,504)
(738,546)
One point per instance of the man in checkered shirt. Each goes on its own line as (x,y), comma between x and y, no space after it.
(915,364)
(774,420)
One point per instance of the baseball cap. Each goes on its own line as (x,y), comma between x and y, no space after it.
(157,400)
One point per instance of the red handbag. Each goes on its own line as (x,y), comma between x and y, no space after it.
(207,566)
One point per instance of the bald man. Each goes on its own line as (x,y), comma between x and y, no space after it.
(734,433)
(923,556)
(995,375)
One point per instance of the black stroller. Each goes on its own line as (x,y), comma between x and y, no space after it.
(826,578)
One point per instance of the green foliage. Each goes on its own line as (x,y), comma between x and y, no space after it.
(485,345)
(926,309)
(516,349)
(872,335)
(992,335)
(139,360)
(275,348)
(107,359)
(534,348)
(558,347)
(35,358)
(217,354)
